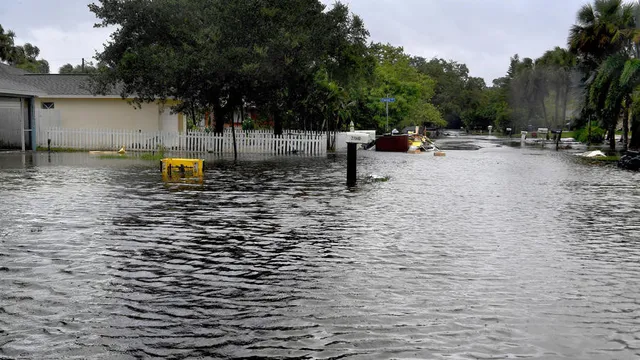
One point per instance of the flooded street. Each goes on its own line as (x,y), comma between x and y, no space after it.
(496,253)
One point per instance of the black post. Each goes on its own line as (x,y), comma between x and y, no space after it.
(351,164)
(49,145)
(559,136)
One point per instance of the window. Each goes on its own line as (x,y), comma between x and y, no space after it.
(48,105)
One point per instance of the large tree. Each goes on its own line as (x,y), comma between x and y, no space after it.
(223,55)
(395,76)
(456,92)
(6,44)
(603,38)
(559,65)
(528,84)
(21,56)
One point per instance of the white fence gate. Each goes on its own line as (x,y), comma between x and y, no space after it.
(247,142)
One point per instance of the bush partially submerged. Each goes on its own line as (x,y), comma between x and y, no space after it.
(597,135)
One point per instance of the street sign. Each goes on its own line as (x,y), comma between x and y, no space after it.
(386,101)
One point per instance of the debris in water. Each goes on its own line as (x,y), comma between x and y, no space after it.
(377,178)
(591,154)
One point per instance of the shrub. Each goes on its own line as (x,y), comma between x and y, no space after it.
(248,124)
(597,135)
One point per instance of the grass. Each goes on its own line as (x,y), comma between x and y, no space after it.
(155,156)
(58,149)
(113,156)
(607,158)
(601,160)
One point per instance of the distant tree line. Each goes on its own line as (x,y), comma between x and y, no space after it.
(84,68)
(593,83)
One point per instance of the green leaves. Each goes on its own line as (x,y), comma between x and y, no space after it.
(396,76)
(631,73)
(24,57)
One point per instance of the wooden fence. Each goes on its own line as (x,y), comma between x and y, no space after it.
(247,142)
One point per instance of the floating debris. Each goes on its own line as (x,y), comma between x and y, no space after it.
(376,178)
(592,154)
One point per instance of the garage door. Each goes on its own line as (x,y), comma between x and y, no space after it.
(9,103)
(10,123)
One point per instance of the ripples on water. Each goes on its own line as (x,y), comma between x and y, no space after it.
(497,253)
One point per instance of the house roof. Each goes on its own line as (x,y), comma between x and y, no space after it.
(10,70)
(59,84)
(19,82)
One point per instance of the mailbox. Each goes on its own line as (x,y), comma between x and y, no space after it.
(358,138)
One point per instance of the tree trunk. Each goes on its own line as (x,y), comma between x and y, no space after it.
(625,127)
(634,143)
(277,124)
(544,114)
(589,132)
(612,136)
(335,133)
(564,106)
(243,114)
(556,114)
(233,134)
(218,117)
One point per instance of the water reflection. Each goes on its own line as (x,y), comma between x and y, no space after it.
(493,253)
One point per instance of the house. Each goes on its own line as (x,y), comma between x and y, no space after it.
(31,102)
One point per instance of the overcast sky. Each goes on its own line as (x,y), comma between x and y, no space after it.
(480,33)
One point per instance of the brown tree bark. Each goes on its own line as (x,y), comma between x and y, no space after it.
(564,105)
(556,114)
(634,143)
(612,136)
(277,123)
(625,128)
(218,117)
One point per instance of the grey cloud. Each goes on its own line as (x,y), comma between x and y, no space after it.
(483,34)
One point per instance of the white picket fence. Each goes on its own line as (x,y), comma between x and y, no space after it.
(247,142)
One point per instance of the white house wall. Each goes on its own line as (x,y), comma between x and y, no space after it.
(100,113)
(168,121)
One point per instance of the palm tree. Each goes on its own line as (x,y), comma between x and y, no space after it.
(606,93)
(603,28)
(630,79)
(603,38)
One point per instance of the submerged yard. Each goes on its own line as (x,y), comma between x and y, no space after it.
(496,253)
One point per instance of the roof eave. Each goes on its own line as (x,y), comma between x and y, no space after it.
(53,96)
(20,93)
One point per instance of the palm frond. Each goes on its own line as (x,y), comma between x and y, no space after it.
(631,73)
(586,15)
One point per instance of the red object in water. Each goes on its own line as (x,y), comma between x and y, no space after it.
(395,143)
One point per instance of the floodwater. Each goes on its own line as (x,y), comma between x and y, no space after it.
(490,254)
